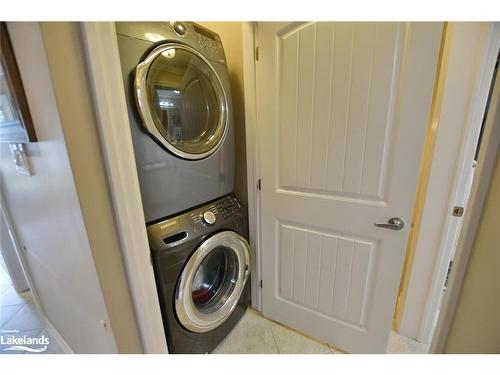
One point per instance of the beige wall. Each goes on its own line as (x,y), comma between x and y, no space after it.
(476,325)
(62,214)
(231,35)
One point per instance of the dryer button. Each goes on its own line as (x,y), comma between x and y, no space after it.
(208,217)
(179,28)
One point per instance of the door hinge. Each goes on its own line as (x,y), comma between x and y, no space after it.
(260,283)
(257,53)
(259,185)
(447,275)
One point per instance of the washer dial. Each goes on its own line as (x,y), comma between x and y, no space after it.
(208,217)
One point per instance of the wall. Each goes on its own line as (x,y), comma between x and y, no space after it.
(62,214)
(9,255)
(63,45)
(231,35)
(476,325)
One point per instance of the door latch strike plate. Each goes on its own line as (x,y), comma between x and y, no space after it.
(458,211)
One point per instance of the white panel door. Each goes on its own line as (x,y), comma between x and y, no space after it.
(342,113)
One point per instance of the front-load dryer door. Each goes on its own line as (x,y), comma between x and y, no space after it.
(212,281)
(181,100)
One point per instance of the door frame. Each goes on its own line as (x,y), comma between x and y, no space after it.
(253,158)
(103,62)
(487,158)
(430,258)
(250,57)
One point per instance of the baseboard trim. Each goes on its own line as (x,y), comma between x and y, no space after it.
(55,335)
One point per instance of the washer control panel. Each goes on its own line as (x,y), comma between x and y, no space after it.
(229,206)
(219,210)
(208,217)
(176,230)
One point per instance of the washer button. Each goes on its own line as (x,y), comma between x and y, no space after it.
(208,217)
(179,28)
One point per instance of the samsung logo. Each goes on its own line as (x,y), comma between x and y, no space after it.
(168,224)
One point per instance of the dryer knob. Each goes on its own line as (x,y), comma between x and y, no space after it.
(208,217)
(179,28)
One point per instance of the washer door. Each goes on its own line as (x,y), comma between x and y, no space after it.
(181,101)
(212,281)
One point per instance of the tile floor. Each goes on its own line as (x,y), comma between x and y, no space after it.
(18,315)
(404,345)
(255,334)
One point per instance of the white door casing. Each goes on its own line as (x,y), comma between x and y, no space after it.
(342,111)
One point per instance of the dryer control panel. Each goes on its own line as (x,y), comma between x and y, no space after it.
(200,38)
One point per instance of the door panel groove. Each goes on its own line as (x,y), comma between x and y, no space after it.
(313,91)
(332,295)
(319,271)
(348,298)
(330,107)
(346,132)
(297,104)
(305,273)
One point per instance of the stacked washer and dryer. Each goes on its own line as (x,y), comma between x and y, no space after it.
(180,112)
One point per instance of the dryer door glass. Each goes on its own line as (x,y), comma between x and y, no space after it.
(212,281)
(185,101)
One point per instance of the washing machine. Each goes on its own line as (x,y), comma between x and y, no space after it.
(201,262)
(180,113)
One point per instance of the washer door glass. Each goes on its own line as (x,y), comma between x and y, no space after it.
(181,101)
(212,282)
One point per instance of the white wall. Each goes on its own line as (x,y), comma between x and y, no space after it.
(46,212)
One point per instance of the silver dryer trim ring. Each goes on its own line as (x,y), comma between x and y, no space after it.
(145,112)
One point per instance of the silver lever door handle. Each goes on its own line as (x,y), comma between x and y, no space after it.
(394,223)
